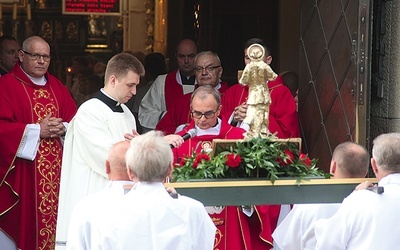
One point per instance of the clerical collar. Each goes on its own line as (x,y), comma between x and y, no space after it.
(41,81)
(187,80)
(210,131)
(109,101)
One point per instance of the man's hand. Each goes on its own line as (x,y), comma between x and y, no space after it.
(174,140)
(172,192)
(51,127)
(240,113)
(130,136)
(364,185)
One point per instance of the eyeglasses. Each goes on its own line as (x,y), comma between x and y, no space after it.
(208,115)
(208,68)
(36,57)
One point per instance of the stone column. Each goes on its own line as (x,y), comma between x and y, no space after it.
(385,99)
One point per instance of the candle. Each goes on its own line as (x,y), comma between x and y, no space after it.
(15,11)
(28,12)
(1,12)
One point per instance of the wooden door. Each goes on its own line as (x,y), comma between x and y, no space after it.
(334,75)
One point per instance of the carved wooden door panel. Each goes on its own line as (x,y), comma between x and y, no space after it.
(334,75)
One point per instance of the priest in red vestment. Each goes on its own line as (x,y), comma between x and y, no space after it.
(233,226)
(35,110)
(208,71)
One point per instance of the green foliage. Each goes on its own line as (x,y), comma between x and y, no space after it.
(256,158)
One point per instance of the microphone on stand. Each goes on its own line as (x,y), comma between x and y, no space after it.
(191,133)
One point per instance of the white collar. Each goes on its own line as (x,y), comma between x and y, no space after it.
(210,131)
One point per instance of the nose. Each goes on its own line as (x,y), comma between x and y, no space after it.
(204,72)
(40,59)
(133,90)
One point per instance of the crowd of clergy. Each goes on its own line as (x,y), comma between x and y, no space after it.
(83,166)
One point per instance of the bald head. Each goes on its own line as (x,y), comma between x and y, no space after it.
(351,160)
(185,54)
(115,164)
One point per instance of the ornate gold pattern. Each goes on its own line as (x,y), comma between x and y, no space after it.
(218,238)
(48,164)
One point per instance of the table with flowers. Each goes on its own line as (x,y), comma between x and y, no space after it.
(258,171)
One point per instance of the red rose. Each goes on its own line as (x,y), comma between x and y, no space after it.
(305,159)
(199,158)
(182,162)
(233,160)
(288,159)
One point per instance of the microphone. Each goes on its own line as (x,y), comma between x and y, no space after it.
(191,133)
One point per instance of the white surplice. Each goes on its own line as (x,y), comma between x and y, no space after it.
(149,218)
(153,107)
(91,134)
(80,235)
(296,231)
(365,220)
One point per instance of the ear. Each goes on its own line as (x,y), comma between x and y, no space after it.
(170,169)
(113,80)
(268,60)
(219,110)
(333,167)
(108,167)
(130,174)
(374,166)
(220,72)
(20,55)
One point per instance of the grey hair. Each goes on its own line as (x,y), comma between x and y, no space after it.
(203,91)
(207,53)
(386,152)
(149,157)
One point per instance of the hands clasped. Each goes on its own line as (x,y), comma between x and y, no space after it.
(52,127)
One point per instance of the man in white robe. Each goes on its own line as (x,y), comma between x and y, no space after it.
(80,228)
(149,218)
(296,232)
(365,219)
(98,124)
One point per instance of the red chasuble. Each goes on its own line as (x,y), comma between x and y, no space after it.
(234,229)
(29,189)
(179,113)
(173,90)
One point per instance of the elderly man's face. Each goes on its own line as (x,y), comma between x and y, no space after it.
(205,111)
(208,71)
(35,59)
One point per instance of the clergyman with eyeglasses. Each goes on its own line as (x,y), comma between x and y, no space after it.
(205,108)
(9,48)
(208,71)
(36,108)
